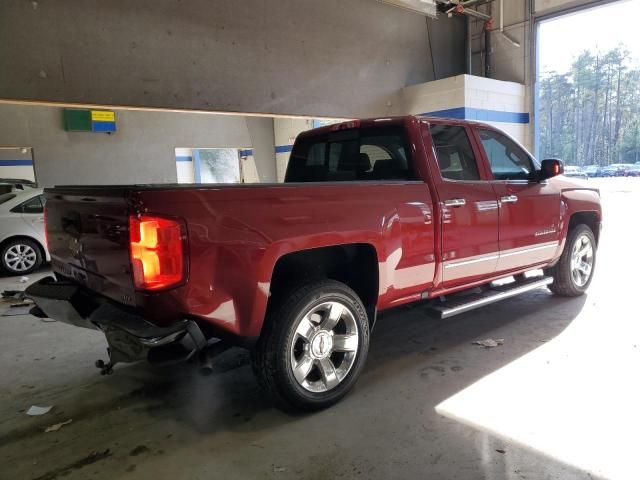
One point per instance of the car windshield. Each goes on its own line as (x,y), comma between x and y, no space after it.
(5,197)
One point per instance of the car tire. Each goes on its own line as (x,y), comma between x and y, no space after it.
(313,346)
(20,256)
(573,273)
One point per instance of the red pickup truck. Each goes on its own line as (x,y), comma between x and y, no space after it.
(373,214)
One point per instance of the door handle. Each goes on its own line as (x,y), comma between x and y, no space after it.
(509,199)
(455,202)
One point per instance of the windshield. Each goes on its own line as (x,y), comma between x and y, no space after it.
(364,154)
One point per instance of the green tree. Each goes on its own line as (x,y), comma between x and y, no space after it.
(588,114)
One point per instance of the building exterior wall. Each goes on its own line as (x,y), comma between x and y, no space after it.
(142,150)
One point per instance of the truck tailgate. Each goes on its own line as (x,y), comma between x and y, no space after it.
(88,238)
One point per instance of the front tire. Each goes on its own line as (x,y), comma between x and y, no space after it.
(20,256)
(313,346)
(573,273)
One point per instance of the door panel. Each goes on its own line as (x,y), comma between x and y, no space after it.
(529,210)
(469,232)
(469,209)
(529,231)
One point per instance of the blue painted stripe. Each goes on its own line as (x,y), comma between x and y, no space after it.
(103,126)
(183,158)
(246,153)
(283,148)
(457,113)
(16,163)
(468,113)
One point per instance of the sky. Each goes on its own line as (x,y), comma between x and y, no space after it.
(600,28)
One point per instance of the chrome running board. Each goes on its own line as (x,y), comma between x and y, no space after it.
(456,306)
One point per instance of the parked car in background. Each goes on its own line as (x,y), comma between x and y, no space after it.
(613,170)
(575,172)
(633,171)
(593,171)
(10,184)
(22,238)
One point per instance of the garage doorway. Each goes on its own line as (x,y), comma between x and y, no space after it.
(587,98)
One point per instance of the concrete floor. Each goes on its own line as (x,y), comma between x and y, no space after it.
(145,422)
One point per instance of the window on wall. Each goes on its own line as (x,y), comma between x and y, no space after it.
(213,165)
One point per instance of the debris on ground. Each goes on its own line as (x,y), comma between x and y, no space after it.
(499,450)
(35,410)
(57,426)
(277,469)
(23,279)
(140,449)
(489,342)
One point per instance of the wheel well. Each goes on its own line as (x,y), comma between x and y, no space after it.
(590,219)
(355,265)
(25,237)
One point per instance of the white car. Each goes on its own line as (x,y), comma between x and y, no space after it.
(22,239)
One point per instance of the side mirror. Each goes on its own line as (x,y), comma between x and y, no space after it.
(551,168)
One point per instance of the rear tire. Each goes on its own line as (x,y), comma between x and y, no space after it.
(573,273)
(313,346)
(20,256)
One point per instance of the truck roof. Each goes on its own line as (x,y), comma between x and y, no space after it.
(391,120)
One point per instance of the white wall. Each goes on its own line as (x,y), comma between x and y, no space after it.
(141,151)
(502,104)
(285,132)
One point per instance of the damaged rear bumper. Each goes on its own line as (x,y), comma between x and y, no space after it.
(129,335)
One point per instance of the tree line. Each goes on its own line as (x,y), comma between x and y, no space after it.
(590,115)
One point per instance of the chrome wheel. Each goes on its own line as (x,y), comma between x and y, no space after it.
(324,346)
(581,260)
(20,257)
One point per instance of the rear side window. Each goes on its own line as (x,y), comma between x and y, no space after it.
(454,153)
(33,205)
(351,155)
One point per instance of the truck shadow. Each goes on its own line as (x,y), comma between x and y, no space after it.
(404,340)
(177,406)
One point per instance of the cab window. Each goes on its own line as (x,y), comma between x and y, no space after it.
(507,160)
(454,153)
(363,154)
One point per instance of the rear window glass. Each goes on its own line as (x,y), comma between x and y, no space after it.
(33,205)
(5,197)
(351,155)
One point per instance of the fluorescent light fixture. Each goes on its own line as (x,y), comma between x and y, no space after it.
(425,7)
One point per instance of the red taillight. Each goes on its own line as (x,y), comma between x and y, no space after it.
(345,125)
(556,169)
(157,247)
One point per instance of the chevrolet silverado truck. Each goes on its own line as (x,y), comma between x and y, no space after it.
(373,214)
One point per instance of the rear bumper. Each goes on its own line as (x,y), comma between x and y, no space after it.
(129,335)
